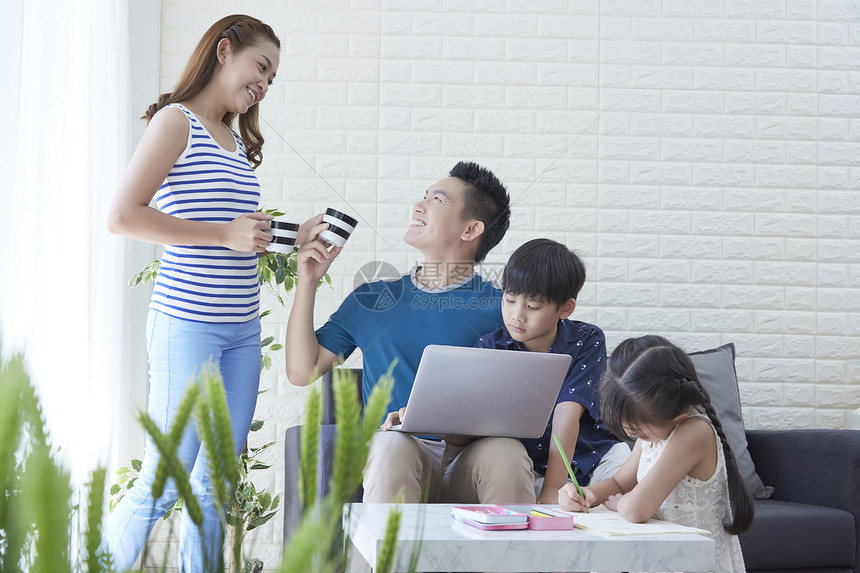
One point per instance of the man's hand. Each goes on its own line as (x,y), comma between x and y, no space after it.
(393,419)
(314,257)
(305,228)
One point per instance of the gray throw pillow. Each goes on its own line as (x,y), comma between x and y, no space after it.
(716,370)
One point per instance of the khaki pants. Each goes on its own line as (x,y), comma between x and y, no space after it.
(488,470)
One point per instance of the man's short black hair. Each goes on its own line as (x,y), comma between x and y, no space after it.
(486,200)
(545,270)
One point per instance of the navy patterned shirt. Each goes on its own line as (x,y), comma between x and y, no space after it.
(586,344)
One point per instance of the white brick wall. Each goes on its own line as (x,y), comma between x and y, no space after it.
(703,156)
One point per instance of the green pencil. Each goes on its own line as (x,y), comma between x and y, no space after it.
(567,465)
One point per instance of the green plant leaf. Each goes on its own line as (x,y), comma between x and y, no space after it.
(308,546)
(265,499)
(257,449)
(256,425)
(261,520)
(346,473)
(149,272)
(93,535)
(308,444)
(272,212)
(389,541)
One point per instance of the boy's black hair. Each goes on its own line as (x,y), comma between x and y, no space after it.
(546,270)
(486,200)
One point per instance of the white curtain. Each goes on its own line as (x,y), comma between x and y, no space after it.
(63,96)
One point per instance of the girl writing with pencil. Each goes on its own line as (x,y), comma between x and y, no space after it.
(682,468)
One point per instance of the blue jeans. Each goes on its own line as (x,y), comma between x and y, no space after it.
(177,348)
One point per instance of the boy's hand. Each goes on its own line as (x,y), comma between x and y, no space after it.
(570,500)
(314,257)
(548,496)
(393,419)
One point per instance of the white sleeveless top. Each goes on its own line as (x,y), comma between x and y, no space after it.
(208,183)
(697,503)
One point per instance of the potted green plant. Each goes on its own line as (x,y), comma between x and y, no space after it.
(248,508)
(37,510)
(36,497)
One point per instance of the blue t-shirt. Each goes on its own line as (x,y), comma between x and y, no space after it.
(586,344)
(396,319)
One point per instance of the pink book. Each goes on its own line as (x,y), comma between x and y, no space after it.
(489,514)
(490,526)
(544,518)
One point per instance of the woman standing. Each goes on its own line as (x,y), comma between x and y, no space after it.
(206,298)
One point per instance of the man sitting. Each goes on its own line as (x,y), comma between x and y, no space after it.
(442,301)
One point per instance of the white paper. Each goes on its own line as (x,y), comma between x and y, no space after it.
(606,522)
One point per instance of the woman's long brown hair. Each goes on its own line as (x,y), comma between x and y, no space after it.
(242,31)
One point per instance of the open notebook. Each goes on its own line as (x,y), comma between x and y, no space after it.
(605,522)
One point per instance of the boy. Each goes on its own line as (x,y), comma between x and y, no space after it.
(443,301)
(541,282)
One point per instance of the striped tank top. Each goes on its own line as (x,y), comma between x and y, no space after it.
(208,183)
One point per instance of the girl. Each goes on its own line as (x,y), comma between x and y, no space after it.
(206,298)
(682,468)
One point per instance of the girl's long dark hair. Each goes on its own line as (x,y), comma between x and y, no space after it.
(649,380)
(242,31)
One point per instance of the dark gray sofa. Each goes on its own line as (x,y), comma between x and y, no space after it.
(810,525)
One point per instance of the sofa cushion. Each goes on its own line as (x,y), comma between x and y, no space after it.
(716,371)
(789,535)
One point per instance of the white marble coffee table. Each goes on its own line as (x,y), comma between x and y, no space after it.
(450,546)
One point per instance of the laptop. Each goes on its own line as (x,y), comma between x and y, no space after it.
(484,392)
